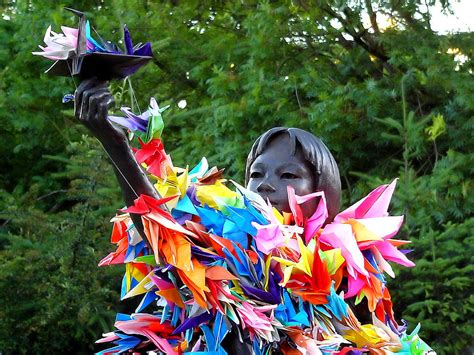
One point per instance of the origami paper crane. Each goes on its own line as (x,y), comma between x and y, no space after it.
(154,156)
(59,46)
(318,218)
(149,122)
(150,327)
(77,52)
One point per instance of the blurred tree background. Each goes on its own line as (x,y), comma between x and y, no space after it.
(390,97)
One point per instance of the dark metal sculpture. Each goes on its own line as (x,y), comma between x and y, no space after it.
(278,158)
(284,157)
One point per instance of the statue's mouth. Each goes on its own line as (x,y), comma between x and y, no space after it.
(275,204)
(278,203)
(281,206)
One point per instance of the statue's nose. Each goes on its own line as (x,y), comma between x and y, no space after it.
(266,186)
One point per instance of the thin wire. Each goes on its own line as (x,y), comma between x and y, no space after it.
(70,72)
(133,95)
(118,169)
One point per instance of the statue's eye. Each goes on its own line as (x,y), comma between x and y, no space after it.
(256,175)
(289,176)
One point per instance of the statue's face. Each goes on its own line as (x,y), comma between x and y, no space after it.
(276,168)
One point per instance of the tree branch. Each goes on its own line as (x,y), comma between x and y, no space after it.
(372,16)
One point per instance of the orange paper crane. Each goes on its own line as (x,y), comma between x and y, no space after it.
(314,286)
(170,244)
(119,236)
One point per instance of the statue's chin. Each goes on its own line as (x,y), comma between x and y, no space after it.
(281,207)
(308,208)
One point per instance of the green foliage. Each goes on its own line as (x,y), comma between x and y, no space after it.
(54,297)
(441,285)
(389,102)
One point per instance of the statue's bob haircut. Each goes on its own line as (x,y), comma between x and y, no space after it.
(315,152)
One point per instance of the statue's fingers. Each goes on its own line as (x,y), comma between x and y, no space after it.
(110,101)
(96,99)
(84,105)
(103,107)
(84,89)
(79,95)
(86,112)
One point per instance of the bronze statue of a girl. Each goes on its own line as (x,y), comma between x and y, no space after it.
(279,158)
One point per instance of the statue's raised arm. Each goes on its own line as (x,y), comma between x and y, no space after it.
(94,61)
(92,101)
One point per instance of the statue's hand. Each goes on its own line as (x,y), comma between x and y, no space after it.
(91,102)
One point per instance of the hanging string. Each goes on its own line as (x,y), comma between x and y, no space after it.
(70,73)
(132,92)
(120,171)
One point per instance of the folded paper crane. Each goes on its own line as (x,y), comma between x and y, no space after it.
(77,53)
